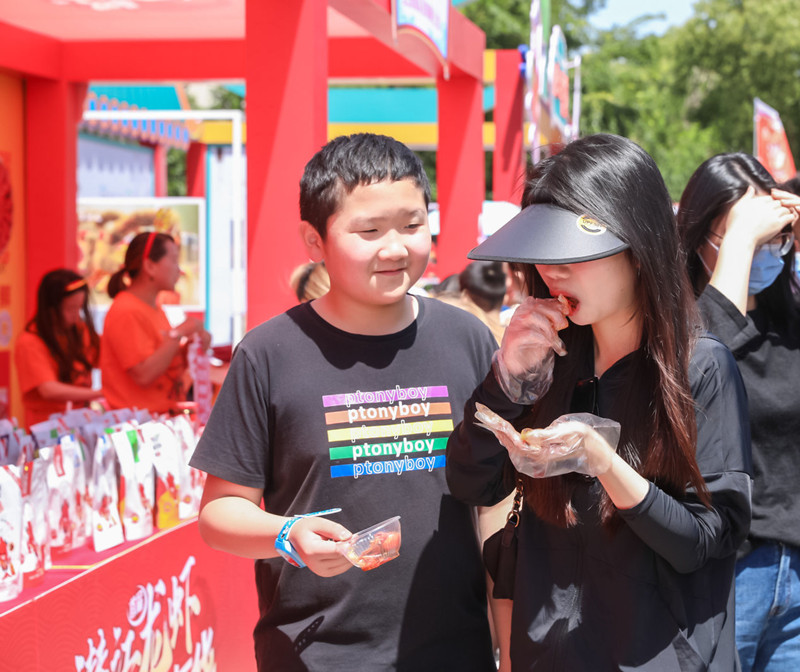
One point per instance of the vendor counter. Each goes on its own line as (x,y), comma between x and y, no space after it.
(167,603)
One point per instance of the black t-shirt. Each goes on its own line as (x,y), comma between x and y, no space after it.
(656,592)
(321,418)
(769,361)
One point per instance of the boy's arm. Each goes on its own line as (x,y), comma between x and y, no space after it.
(232,520)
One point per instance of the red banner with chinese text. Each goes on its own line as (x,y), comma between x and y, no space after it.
(169,603)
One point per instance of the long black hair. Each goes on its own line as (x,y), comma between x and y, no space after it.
(153,244)
(65,344)
(712,190)
(616,182)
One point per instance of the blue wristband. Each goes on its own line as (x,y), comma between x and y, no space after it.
(282,544)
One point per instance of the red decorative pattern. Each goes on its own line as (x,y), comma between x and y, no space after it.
(5,206)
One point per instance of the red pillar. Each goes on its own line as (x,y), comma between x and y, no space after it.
(460,170)
(52,111)
(160,169)
(196,169)
(287,114)
(508,172)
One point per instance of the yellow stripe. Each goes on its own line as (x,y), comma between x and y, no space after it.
(416,135)
(489,66)
(397,430)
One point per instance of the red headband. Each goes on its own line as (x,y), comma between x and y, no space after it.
(75,285)
(148,245)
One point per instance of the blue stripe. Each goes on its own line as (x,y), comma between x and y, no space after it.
(394,467)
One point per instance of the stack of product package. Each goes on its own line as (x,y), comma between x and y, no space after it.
(90,478)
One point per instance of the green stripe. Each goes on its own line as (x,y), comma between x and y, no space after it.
(387,448)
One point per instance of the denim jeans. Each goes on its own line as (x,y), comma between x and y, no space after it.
(768,608)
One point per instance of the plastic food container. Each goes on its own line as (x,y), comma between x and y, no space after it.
(374,546)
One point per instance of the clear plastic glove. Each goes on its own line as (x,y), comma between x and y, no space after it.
(578,442)
(524,363)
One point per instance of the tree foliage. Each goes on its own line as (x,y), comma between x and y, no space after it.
(731,51)
(685,95)
(507,22)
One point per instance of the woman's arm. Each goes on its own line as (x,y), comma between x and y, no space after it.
(751,222)
(146,372)
(683,530)
(475,459)
(53,390)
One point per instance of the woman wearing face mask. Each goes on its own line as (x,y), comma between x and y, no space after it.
(143,359)
(738,231)
(58,349)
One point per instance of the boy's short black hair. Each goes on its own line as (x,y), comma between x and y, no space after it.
(349,161)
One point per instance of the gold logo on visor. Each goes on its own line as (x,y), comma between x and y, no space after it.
(590,226)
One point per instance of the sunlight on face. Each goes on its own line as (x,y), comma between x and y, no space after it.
(377,244)
(604,290)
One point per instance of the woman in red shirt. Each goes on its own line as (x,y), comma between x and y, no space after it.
(58,349)
(143,359)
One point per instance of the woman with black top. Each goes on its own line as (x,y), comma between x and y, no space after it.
(625,558)
(737,228)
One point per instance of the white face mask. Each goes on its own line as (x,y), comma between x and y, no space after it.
(703,261)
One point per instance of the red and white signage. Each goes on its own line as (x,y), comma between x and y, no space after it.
(771,146)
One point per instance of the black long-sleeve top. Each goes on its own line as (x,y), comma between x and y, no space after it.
(656,593)
(769,361)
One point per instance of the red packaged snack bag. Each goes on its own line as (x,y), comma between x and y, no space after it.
(35,550)
(192,480)
(136,483)
(167,462)
(106,523)
(10,533)
(62,518)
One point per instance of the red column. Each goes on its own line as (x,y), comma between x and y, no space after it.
(460,170)
(52,111)
(196,169)
(160,169)
(508,172)
(287,113)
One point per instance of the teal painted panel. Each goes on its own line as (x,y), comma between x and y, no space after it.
(146,97)
(409,105)
(384,105)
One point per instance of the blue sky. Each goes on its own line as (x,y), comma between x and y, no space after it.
(621,12)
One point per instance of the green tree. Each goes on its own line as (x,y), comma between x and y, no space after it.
(507,22)
(731,51)
(628,89)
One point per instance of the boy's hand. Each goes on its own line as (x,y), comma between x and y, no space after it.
(315,540)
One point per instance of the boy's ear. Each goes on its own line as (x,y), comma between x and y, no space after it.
(313,241)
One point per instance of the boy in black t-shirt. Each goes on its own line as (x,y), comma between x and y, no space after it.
(347,402)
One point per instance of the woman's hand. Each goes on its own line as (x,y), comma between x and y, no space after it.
(792,201)
(755,220)
(524,364)
(189,327)
(315,540)
(569,444)
(751,222)
(192,326)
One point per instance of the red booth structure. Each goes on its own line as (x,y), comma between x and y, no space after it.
(285,51)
